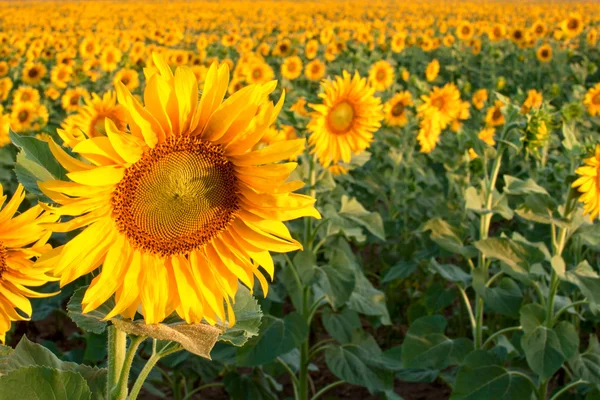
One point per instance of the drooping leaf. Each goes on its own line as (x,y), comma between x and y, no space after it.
(450,272)
(447,237)
(341,325)
(355,211)
(516,257)
(247,319)
(587,365)
(400,270)
(367,300)
(516,186)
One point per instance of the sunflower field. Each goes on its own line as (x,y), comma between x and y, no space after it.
(300,200)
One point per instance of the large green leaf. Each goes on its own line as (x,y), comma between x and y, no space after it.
(447,237)
(35,162)
(277,336)
(588,281)
(450,272)
(247,319)
(358,366)
(483,377)
(43,383)
(367,300)
(400,270)
(516,186)
(516,257)
(29,354)
(336,281)
(504,298)
(341,325)
(587,365)
(426,346)
(355,211)
(92,321)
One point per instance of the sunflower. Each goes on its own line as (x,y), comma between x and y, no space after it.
(592,100)
(442,105)
(448,40)
(497,32)
(487,136)
(517,35)
(28,117)
(494,116)
(4,68)
(539,29)
(464,30)
(180,209)
(60,75)
(432,70)
(291,68)
(479,98)
(89,47)
(109,58)
(591,37)
(23,238)
(589,184)
(283,48)
(73,98)
(381,75)
(33,73)
(26,94)
(395,109)
(128,77)
(259,72)
(573,25)
(345,122)
(398,42)
(429,134)
(90,119)
(315,70)
(544,53)
(52,93)
(534,100)
(300,107)
(311,48)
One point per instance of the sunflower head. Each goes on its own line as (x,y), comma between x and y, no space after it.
(346,120)
(177,205)
(588,183)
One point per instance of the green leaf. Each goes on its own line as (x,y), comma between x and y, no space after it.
(35,162)
(276,337)
(247,319)
(517,186)
(482,377)
(305,263)
(450,272)
(354,211)
(426,346)
(447,237)
(437,297)
(92,321)
(43,383)
(341,326)
(532,316)
(587,365)
(5,350)
(516,257)
(255,386)
(401,270)
(356,365)
(568,338)
(29,354)
(570,136)
(504,298)
(474,200)
(543,351)
(541,209)
(588,281)
(336,282)
(367,300)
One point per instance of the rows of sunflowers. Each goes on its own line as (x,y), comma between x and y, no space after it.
(307,200)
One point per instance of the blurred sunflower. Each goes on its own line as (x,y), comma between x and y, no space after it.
(479,98)
(311,48)
(128,77)
(315,70)
(259,72)
(179,209)
(74,98)
(487,136)
(395,109)
(4,129)
(494,116)
(33,73)
(534,100)
(110,58)
(464,30)
(398,42)
(588,184)
(291,68)
(573,25)
(429,134)
(442,105)
(26,94)
(544,53)
(344,124)
(432,70)
(592,100)
(89,47)
(23,238)
(60,75)
(28,117)
(381,75)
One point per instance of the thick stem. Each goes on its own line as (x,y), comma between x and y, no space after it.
(139,382)
(304,353)
(117,345)
(120,391)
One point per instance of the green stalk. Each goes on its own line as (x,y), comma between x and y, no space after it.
(120,390)
(117,345)
(304,353)
(139,382)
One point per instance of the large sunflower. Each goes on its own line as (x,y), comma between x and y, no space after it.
(442,104)
(588,184)
(17,270)
(345,122)
(179,208)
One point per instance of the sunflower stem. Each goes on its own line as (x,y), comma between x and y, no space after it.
(120,390)
(117,346)
(156,356)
